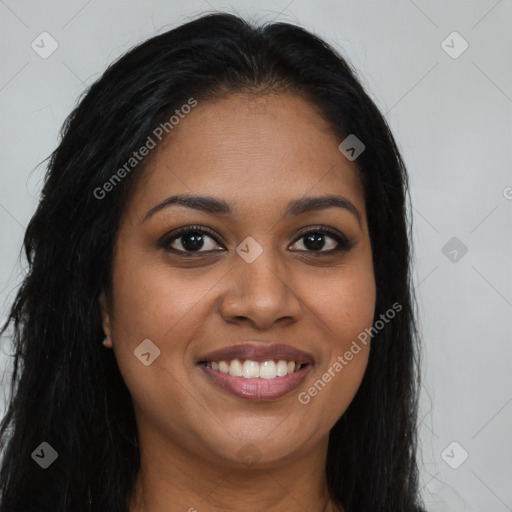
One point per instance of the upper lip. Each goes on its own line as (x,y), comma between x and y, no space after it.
(258,352)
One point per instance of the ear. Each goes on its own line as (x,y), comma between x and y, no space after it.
(105,316)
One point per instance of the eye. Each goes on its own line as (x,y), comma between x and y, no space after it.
(315,240)
(193,239)
(197,239)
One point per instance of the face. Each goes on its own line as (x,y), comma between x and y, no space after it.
(271,283)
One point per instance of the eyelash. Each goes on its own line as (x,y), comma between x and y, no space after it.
(344,244)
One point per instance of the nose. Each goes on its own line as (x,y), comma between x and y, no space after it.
(261,293)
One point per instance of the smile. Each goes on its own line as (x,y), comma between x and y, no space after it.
(254,369)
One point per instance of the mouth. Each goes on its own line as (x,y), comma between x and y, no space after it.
(249,369)
(257,372)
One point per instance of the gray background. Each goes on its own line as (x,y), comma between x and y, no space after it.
(452,120)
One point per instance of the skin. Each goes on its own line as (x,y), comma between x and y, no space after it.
(257,153)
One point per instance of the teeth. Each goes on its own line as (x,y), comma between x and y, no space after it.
(268,370)
(282,368)
(253,369)
(235,368)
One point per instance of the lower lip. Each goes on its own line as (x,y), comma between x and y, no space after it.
(257,389)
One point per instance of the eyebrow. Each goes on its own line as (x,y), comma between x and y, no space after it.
(219,206)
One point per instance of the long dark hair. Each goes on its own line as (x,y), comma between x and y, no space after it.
(67,390)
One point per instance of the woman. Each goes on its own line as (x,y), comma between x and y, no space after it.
(218,313)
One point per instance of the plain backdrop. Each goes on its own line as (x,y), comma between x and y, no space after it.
(449,107)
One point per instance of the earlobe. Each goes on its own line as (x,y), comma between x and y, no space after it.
(107,342)
(105,316)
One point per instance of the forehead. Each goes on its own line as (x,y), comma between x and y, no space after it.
(250,149)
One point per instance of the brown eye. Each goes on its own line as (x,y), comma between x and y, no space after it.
(315,240)
(193,239)
(197,239)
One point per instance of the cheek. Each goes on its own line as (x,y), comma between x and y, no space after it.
(345,303)
(151,304)
(346,307)
(152,301)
